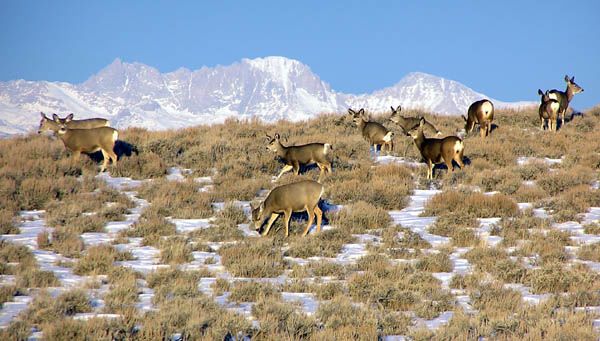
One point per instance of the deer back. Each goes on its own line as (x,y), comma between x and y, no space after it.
(89,140)
(481,111)
(295,196)
(309,152)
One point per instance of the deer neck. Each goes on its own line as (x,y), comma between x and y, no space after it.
(569,93)
(281,149)
(419,139)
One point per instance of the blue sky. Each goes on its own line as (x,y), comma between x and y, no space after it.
(505,49)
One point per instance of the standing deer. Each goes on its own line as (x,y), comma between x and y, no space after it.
(548,110)
(295,197)
(54,123)
(305,154)
(409,123)
(88,141)
(375,133)
(565,97)
(481,112)
(435,150)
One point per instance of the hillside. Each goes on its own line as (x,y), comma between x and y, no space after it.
(162,246)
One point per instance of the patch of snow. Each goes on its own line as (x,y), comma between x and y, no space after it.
(307,300)
(410,218)
(12,309)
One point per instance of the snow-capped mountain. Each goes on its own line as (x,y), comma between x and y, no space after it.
(271,88)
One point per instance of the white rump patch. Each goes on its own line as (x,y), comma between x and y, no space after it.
(554,106)
(553,95)
(487,108)
(326,148)
(115,136)
(458,146)
(389,136)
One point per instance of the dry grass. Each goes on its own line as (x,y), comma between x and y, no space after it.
(251,291)
(325,244)
(475,204)
(361,217)
(386,187)
(151,226)
(175,250)
(254,258)
(177,199)
(589,252)
(367,299)
(98,260)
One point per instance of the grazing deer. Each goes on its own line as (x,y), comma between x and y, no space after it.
(548,110)
(565,97)
(88,141)
(305,154)
(409,123)
(54,123)
(295,197)
(435,150)
(375,133)
(481,112)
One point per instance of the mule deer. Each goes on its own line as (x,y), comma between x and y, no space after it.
(88,141)
(548,110)
(375,133)
(305,154)
(295,197)
(409,123)
(565,97)
(481,112)
(54,123)
(435,150)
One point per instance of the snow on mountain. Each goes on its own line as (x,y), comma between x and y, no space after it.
(271,88)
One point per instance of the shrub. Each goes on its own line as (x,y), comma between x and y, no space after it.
(324,244)
(253,258)
(361,217)
(99,260)
(251,291)
(471,204)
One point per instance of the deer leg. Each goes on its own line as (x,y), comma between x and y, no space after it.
(270,223)
(541,124)
(311,214)
(429,170)
(296,166)
(322,168)
(76,155)
(287,215)
(105,161)
(285,169)
(319,215)
(113,157)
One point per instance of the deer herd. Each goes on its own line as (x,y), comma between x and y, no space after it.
(92,135)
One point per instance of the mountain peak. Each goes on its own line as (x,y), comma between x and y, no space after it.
(269,88)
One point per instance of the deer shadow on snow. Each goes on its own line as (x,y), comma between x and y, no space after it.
(122,149)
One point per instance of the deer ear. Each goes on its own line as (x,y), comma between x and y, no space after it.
(43,115)
(55,117)
(463,117)
(572,79)
(361,112)
(546,93)
(69,117)
(399,108)
(421,121)
(540,92)
(351,112)
(393,110)
(566,78)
